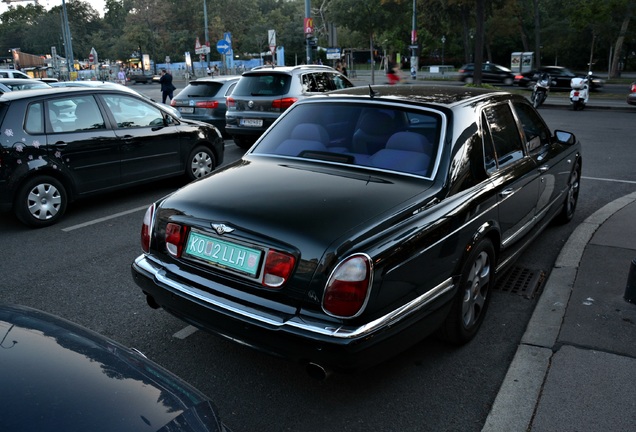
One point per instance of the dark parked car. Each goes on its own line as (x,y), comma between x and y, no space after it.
(559,75)
(61,144)
(631,96)
(204,99)
(490,73)
(59,376)
(379,216)
(13,84)
(263,93)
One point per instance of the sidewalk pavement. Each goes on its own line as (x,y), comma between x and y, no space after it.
(575,368)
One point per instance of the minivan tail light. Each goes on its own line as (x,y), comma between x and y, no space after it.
(230,102)
(146,228)
(175,239)
(283,103)
(347,289)
(278,268)
(207,104)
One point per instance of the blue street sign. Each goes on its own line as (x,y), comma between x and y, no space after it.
(223,46)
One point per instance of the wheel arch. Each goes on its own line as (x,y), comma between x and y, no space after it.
(48,171)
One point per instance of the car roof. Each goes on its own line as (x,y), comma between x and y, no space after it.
(221,79)
(33,93)
(19,80)
(416,94)
(288,69)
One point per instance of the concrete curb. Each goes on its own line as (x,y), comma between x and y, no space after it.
(515,404)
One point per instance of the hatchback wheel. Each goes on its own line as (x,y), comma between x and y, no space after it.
(473,295)
(40,202)
(201,162)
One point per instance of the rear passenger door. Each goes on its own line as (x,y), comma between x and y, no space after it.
(80,141)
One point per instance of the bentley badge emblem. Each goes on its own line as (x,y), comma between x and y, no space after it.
(250,104)
(222,228)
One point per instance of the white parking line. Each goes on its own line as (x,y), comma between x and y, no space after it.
(185,332)
(103,219)
(610,180)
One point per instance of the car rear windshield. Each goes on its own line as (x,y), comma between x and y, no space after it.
(272,84)
(201,90)
(377,136)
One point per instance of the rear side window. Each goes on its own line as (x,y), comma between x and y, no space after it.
(317,83)
(34,121)
(201,90)
(263,85)
(502,134)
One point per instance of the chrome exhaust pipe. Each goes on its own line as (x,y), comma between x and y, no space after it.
(317,371)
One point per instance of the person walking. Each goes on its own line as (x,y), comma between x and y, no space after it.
(167,88)
(121,76)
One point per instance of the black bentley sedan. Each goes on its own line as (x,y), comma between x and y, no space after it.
(361,222)
(61,144)
(59,376)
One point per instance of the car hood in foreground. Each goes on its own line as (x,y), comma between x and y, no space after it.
(58,376)
(306,205)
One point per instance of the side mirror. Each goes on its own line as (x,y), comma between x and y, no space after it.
(564,137)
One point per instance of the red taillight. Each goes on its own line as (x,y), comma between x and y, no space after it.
(175,239)
(518,77)
(172,102)
(278,268)
(146,228)
(348,286)
(284,103)
(576,93)
(207,104)
(230,102)
(633,89)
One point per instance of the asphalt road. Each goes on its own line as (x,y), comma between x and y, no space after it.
(80,269)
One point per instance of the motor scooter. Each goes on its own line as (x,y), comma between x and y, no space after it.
(580,93)
(541,89)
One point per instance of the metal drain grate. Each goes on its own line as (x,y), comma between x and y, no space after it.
(521,281)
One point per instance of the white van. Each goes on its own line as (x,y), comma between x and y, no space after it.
(12,73)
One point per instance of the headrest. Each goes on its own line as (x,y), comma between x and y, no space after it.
(409,141)
(310,132)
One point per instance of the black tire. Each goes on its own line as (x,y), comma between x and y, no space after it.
(572,196)
(40,202)
(243,143)
(200,163)
(473,295)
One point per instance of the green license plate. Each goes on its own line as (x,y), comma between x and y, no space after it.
(223,253)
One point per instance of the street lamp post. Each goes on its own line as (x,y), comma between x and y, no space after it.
(207,39)
(443,45)
(69,43)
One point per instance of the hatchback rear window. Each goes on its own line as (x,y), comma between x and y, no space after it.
(263,85)
(203,89)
